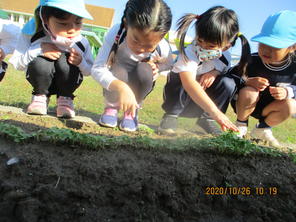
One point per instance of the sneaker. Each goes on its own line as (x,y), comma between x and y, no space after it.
(129,123)
(38,105)
(65,108)
(266,135)
(243,129)
(109,117)
(168,124)
(209,126)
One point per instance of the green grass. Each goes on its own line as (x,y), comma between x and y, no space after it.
(16,91)
(226,143)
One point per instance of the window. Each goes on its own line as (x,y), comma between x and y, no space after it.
(16,17)
(26,18)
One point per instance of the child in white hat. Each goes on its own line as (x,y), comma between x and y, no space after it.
(54,54)
(269,92)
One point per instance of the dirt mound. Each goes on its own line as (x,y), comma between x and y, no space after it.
(62,183)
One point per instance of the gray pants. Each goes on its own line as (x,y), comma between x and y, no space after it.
(139,78)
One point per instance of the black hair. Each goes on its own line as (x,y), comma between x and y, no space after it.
(47,12)
(217,25)
(154,15)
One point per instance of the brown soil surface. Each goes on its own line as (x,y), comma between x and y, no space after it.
(66,183)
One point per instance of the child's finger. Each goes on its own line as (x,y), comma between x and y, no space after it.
(72,50)
(232,127)
(133,111)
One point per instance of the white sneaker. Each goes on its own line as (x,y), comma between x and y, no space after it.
(266,135)
(243,129)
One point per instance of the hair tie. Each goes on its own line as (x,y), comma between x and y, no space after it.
(197,16)
(117,37)
(239,34)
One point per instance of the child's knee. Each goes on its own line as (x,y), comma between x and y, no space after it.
(40,66)
(290,106)
(119,72)
(287,107)
(145,74)
(249,94)
(227,85)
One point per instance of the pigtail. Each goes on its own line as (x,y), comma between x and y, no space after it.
(245,55)
(182,28)
(117,41)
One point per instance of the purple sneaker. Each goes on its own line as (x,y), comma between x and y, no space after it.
(129,123)
(109,117)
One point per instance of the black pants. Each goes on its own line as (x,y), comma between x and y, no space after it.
(3,67)
(50,77)
(178,102)
(140,79)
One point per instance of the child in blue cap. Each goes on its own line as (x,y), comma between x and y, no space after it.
(9,33)
(269,91)
(54,54)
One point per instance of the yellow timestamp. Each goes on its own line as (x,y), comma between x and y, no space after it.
(241,191)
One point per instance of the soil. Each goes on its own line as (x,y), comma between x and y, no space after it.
(49,182)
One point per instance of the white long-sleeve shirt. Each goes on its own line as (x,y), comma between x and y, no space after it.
(26,51)
(101,73)
(9,33)
(194,65)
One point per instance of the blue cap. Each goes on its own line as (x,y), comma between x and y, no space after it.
(279,30)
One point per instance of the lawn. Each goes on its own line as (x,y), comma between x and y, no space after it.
(16,91)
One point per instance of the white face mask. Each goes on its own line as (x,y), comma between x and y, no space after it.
(62,41)
(208,54)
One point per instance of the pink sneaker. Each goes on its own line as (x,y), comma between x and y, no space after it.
(65,107)
(38,105)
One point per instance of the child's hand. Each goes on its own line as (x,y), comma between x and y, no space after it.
(279,93)
(50,51)
(155,70)
(2,55)
(258,83)
(224,122)
(127,100)
(207,79)
(75,58)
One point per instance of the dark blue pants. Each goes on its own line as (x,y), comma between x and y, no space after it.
(50,77)
(178,102)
